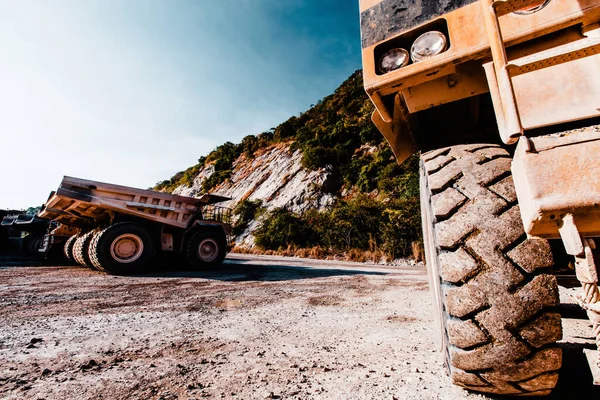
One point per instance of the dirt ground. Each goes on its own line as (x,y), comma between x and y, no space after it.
(262,327)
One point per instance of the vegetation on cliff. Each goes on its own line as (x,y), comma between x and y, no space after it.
(377,199)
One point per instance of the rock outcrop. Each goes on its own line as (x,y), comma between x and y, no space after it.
(274,176)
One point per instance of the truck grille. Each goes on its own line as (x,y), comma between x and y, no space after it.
(217,213)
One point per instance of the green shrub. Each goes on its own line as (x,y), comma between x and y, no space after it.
(280,229)
(362,223)
(401,227)
(355,223)
(246,211)
(249,145)
(318,157)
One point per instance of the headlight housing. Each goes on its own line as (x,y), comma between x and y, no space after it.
(428,45)
(393,59)
(533,8)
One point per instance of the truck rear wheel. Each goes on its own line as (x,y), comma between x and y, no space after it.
(122,248)
(33,244)
(68,248)
(30,244)
(80,249)
(206,249)
(492,299)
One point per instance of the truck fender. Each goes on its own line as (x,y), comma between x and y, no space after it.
(399,133)
(207,226)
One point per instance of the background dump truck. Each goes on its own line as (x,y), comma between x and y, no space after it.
(121,229)
(22,232)
(480,88)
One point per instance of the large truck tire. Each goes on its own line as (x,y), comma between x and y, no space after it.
(80,249)
(29,244)
(33,244)
(494,303)
(206,249)
(68,248)
(122,248)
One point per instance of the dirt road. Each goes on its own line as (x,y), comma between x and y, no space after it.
(263,327)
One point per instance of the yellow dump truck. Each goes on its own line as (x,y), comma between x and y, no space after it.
(502,100)
(121,229)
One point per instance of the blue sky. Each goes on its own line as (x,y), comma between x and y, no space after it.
(132,91)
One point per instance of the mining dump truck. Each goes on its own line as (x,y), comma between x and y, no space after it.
(23,232)
(502,100)
(121,229)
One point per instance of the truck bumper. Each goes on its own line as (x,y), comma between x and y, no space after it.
(557,175)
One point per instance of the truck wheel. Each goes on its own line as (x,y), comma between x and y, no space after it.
(206,249)
(32,244)
(68,248)
(493,301)
(28,244)
(122,248)
(80,249)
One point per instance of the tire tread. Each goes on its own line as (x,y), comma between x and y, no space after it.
(497,299)
(80,249)
(95,249)
(68,248)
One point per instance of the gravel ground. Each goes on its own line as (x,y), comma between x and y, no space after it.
(263,327)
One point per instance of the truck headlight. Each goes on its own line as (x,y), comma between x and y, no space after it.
(393,59)
(428,45)
(533,8)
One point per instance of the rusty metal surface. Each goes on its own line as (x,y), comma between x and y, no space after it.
(561,93)
(509,123)
(399,133)
(557,175)
(468,80)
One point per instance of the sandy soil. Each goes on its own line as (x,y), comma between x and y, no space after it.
(263,327)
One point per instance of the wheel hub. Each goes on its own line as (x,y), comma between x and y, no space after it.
(127,248)
(208,250)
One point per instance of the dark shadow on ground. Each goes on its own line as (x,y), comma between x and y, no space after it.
(232,270)
(242,271)
(575,379)
(568,281)
(571,311)
(12,259)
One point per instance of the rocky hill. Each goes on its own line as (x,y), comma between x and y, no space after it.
(324,180)
(275,177)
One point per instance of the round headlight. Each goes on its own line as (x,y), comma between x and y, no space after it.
(533,8)
(428,45)
(393,59)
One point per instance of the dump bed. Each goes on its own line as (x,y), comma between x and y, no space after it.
(83,203)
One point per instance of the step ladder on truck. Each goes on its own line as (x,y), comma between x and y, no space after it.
(122,229)
(502,100)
